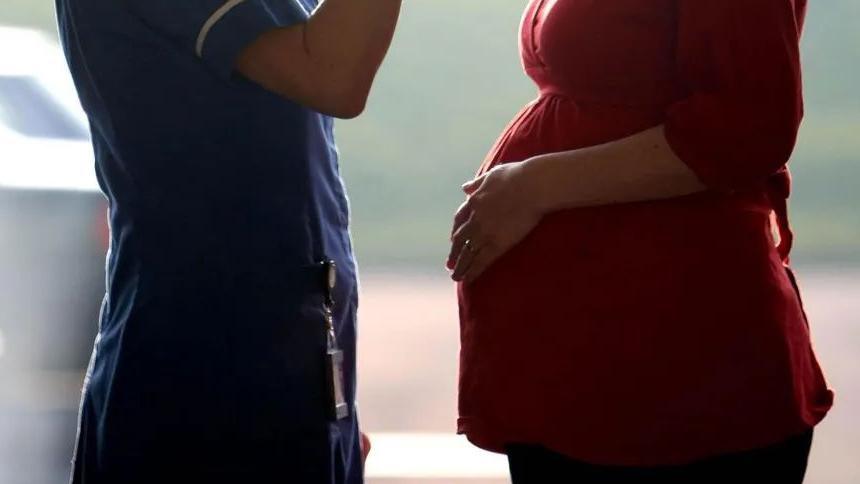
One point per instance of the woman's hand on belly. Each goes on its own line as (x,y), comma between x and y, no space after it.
(507,202)
(499,211)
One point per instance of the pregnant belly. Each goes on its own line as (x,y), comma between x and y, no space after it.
(628,249)
(654,306)
(623,242)
(606,270)
(625,296)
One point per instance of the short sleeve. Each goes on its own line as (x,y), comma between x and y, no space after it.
(739,64)
(216,31)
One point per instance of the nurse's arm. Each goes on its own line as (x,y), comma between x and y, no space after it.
(329,62)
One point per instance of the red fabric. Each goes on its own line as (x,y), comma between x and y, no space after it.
(661,332)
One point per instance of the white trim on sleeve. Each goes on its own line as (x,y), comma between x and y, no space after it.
(217,16)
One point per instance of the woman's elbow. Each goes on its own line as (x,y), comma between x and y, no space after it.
(757,158)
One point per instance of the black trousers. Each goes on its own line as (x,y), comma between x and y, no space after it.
(783,463)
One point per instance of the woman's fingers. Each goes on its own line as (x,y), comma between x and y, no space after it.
(466,244)
(479,264)
(465,260)
(468,187)
(458,240)
(473,185)
(495,218)
(462,215)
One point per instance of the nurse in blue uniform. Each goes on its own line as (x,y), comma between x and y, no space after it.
(224,326)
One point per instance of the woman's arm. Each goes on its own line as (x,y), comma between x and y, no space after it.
(636,168)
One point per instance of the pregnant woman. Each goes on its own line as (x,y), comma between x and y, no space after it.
(627,310)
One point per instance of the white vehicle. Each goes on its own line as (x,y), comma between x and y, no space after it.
(52,215)
(52,244)
(44,139)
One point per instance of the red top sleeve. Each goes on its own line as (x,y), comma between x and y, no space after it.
(739,62)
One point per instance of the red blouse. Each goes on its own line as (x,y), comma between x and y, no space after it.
(661,332)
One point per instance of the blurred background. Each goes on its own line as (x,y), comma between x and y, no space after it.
(450,85)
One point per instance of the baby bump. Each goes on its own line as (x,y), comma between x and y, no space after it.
(596,303)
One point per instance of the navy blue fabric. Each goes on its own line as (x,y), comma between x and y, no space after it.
(209,365)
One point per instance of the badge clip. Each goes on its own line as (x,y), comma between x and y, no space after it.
(339,409)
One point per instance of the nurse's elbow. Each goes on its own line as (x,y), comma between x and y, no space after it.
(350,106)
(339,102)
(348,102)
(280,63)
(347,112)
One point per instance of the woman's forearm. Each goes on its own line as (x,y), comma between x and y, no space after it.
(637,168)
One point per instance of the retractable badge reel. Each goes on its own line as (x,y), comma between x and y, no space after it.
(334,356)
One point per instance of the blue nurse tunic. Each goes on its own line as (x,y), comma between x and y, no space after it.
(210,361)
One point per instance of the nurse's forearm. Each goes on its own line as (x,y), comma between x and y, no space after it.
(637,168)
(328,63)
(348,39)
